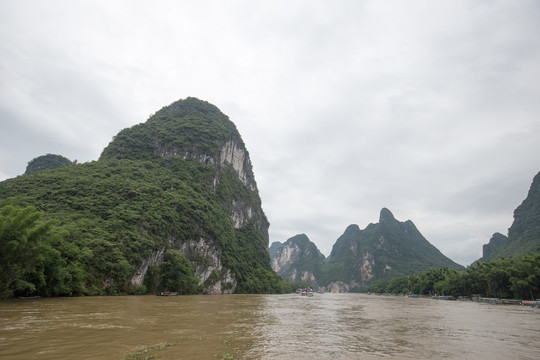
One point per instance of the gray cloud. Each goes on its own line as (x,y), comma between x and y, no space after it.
(427,108)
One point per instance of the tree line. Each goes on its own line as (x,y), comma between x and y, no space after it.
(505,278)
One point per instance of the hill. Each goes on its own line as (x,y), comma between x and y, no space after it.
(524,234)
(171,204)
(381,251)
(297,260)
(46,162)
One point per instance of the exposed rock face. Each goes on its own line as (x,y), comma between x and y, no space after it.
(496,241)
(337,287)
(205,249)
(234,154)
(153,260)
(195,130)
(298,259)
(380,251)
(368,262)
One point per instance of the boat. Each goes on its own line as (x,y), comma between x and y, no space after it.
(510,302)
(531,303)
(306,292)
(167,293)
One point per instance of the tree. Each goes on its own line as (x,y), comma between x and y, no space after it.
(26,254)
(177,273)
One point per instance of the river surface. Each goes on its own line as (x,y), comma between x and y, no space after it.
(326,326)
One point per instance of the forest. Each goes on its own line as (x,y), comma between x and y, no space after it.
(504,278)
(86,239)
(89,229)
(37,258)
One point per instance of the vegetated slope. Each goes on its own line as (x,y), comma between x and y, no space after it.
(383,251)
(46,162)
(496,241)
(298,260)
(171,202)
(524,234)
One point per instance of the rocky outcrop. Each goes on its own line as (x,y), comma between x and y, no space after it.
(206,257)
(298,259)
(495,242)
(192,129)
(367,264)
(384,250)
(337,287)
(153,260)
(235,155)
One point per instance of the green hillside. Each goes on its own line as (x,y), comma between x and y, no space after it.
(298,260)
(524,234)
(46,162)
(166,207)
(385,250)
(382,251)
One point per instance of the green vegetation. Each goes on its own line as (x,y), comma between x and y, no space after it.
(46,162)
(29,260)
(151,191)
(189,126)
(306,257)
(150,353)
(524,234)
(507,278)
(385,250)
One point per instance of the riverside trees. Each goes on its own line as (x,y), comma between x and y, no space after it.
(29,262)
(508,277)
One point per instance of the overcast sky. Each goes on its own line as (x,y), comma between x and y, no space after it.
(428,108)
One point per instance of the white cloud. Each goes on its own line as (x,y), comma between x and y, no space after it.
(427,108)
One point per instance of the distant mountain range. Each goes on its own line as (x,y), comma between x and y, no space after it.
(392,248)
(172,205)
(384,250)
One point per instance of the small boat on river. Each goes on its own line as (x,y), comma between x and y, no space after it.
(306,292)
(531,303)
(167,293)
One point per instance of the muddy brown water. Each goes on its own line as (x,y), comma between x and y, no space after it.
(327,326)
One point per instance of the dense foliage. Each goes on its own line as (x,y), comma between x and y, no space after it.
(507,278)
(305,257)
(524,234)
(391,248)
(142,198)
(46,162)
(29,260)
(202,129)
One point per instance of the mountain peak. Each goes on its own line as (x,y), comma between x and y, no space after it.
(386,216)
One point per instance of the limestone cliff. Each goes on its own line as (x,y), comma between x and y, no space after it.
(384,250)
(297,260)
(381,251)
(194,130)
(495,242)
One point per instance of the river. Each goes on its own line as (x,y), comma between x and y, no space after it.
(326,326)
